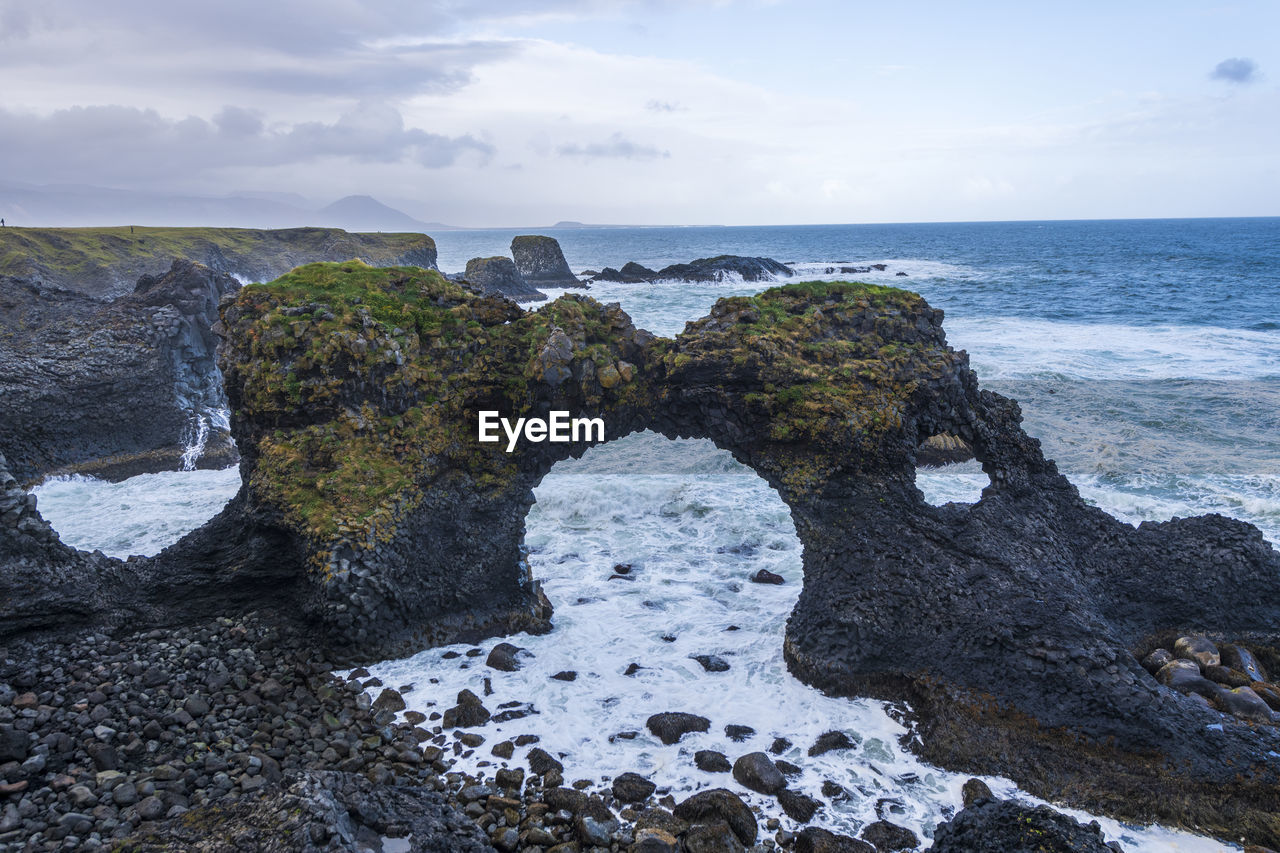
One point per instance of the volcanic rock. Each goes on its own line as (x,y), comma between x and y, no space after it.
(670,726)
(499,276)
(541,262)
(756,771)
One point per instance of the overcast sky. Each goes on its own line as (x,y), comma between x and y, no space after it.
(517,112)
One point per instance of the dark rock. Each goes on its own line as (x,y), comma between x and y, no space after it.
(815,840)
(767,577)
(738,734)
(975,790)
(670,726)
(632,788)
(716,837)
(942,449)
(1229,677)
(788,769)
(1242,660)
(830,741)
(717,804)
(712,663)
(799,807)
(1156,661)
(1198,649)
(541,262)
(654,840)
(13,744)
(1244,703)
(468,712)
(710,761)
(1184,676)
(725,268)
(889,837)
(779,746)
(1004,826)
(755,771)
(566,675)
(504,657)
(498,276)
(631,273)
(542,763)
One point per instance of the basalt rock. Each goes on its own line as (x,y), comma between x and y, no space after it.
(1004,826)
(113,389)
(498,276)
(1012,627)
(541,262)
(719,268)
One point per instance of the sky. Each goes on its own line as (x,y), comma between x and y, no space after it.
(516,112)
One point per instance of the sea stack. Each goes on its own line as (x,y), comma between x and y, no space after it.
(541,262)
(499,275)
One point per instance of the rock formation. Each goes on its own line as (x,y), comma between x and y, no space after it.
(541,262)
(112,388)
(719,268)
(1013,627)
(105,262)
(498,276)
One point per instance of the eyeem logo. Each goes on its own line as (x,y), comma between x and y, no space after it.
(559,427)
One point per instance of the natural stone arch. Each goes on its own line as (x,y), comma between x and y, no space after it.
(1012,626)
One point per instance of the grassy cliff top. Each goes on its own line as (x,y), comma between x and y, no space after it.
(107,262)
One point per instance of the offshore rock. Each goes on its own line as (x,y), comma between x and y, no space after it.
(1004,826)
(1011,626)
(719,268)
(113,389)
(499,276)
(541,262)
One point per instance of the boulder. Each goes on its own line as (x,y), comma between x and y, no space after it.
(717,804)
(1242,660)
(632,788)
(1184,676)
(756,771)
(888,837)
(712,663)
(1247,705)
(767,577)
(813,839)
(714,837)
(670,726)
(1198,649)
(725,268)
(799,807)
(829,741)
(1156,661)
(504,657)
(943,449)
(469,711)
(498,276)
(541,262)
(710,761)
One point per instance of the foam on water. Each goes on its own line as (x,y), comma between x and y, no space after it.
(140,515)
(692,540)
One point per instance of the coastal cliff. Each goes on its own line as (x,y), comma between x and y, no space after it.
(1013,627)
(106,262)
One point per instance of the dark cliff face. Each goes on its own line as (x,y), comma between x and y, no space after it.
(112,388)
(105,262)
(541,262)
(1012,626)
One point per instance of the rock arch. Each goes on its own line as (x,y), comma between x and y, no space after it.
(1011,626)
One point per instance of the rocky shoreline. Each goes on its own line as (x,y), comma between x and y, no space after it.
(238,734)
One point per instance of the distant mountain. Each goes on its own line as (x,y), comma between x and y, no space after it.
(76,205)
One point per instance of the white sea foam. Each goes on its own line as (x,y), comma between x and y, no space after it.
(140,515)
(1021,348)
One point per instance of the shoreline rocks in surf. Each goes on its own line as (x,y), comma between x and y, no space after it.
(719,268)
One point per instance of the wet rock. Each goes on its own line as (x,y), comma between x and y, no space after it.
(788,769)
(566,675)
(738,734)
(716,837)
(1227,676)
(499,275)
(756,771)
(542,763)
(13,744)
(889,837)
(391,700)
(1242,660)
(632,788)
(712,663)
(1155,661)
(799,807)
(975,790)
(720,804)
(767,577)
(468,712)
(710,761)
(779,746)
(504,657)
(1244,703)
(1010,827)
(1198,649)
(654,840)
(815,840)
(1184,676)
(829,741)
(670,726)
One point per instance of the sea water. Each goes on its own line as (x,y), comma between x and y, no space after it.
(1145,356)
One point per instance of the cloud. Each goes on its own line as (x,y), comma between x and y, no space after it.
(120,145)
(616,147)
(656,106)
(1235,70)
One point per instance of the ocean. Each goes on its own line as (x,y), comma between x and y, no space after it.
(1146,357)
